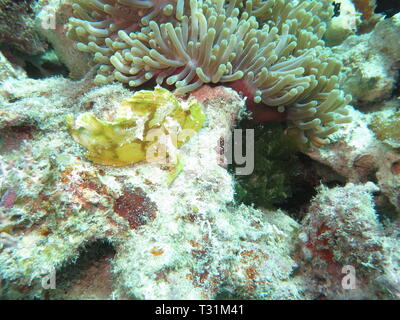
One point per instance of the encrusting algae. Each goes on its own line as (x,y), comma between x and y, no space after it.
(150,126)
(387,128)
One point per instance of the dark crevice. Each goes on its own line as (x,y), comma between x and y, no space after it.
(283,177)
(36,67)
(79,273)
(388,7)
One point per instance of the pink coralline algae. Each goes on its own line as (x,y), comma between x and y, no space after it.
(135,207)
(8,199)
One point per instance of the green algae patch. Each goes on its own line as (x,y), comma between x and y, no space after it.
(150,126)
(174,173)
(387,128)
(276,166)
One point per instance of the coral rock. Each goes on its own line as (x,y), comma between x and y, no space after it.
(344,247)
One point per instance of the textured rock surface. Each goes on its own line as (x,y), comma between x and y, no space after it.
(344,24)
(341,235)
(8,70)
(17,28)
(191,238)
(359,156)
(355,152)
(371,62)
(388,177)
(50,24)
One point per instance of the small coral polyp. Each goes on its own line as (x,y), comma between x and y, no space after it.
(275,47)
(149,126)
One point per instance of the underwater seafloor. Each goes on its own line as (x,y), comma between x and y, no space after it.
(120,177)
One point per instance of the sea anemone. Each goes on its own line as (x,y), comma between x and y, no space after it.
(272,48)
